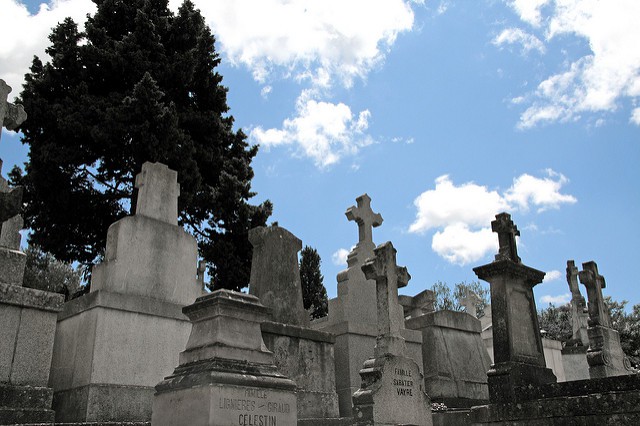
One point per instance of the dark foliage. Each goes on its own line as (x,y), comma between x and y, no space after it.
(314,294)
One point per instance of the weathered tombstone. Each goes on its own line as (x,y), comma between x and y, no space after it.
(226,375)
(605,355)
(418,305)
(574,352)
(114,344)
(301,353)
(28,316)
(391,392)
(518,352)
(352,314)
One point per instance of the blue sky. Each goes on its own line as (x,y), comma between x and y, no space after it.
(444,112)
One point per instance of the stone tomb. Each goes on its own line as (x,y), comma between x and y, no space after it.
(226,375)
(604,356)
(116,343)
(302,354)
(352,314)
(391,392)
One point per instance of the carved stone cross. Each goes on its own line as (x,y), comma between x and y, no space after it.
(594,283)
(11,116)
(507,232)
(158,192)
(365,218)
(389,278)
(470,302)
(572,278)
(579,318)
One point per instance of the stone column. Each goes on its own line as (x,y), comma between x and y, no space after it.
(605,355)
(517,345)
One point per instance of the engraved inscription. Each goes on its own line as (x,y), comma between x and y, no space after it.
(254,407)
(403,382)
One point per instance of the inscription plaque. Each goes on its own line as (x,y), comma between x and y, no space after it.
(522,328)
(246,406)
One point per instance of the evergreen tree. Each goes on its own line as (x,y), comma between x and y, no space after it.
(139,84)
(314,294)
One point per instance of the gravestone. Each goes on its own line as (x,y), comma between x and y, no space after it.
(27,316)
(301,353)
(605,355)
(352,314)
(391,392)
(574,352)
(517,345)
(114,344)
(226,375)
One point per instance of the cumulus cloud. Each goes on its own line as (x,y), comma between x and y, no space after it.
(24,35)
(635,116)
(518,36)
(593,83)
(339,258)
(462,214)
(556,300)
(322,131)
(552,276)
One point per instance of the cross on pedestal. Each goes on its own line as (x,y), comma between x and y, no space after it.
(11,116)
(158,192)
(389,278)
(365,218)
(572,278)
(507,232)
(594,283)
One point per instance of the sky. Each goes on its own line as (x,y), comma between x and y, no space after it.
(444,112)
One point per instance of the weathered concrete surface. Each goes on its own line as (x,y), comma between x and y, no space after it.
(553,358)
(454,358)
(226,374)
(306,356)
(574,361)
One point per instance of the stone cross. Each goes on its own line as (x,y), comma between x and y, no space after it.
(578,306)
(365,218)
(158,192)
(470,302)
(507,232)
(594,283)
(11,116)
(389,278)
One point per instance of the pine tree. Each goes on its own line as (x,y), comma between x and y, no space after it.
(314,294)
(139,84)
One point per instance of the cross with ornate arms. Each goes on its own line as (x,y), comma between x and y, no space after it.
(594,283)
(365,218)
(507,232)
(11,116)
(389,278)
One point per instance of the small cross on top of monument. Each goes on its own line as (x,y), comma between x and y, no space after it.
(158,192)
(11,116)
(507,232)
(366,219)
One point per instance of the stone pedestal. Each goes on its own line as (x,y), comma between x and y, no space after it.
(574,361)
(455,359)
(116,343)
(605,356)
(226,374)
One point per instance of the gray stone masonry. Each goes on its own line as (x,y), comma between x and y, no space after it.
(226,375)
(470,302)
(420,304)
(605,355)
(579,315)
(392,391)
(517,345)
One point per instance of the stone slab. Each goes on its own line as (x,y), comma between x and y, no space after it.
(30,298)
(574,362)
(12,264)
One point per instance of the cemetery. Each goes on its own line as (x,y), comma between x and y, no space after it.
(189,356)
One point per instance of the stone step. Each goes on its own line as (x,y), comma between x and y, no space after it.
(32,397)
(13,416)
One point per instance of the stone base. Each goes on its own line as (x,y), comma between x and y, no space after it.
(605,356)
(12,263)
(507,379)
(25,404)
(574,361)
(594,402)
(221,392)
(391,394)
(305,356)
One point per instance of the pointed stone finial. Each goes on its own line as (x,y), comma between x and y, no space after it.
(594,283)
(158,192)
(507,232)
(389,278)
(366,219)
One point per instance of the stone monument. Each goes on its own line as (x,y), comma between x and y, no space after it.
(418,305)
(352,314)
(226,375)
(470,301)
(518,353)
(28,316)
(605,355)
(301,353)
(391,392)
(114,344)
(574,352)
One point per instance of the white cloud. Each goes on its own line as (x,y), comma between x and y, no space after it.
(315,40)
(518,36)
(339,258)
(593,83)
(556,300)
(264,92)
(543,193)
(462,213)
(24,35)
(552,276)
(322,131)
(635,116)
